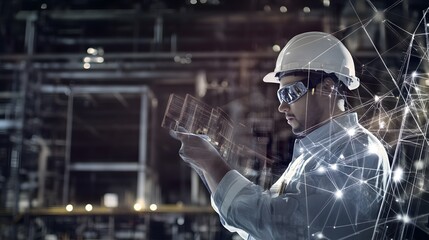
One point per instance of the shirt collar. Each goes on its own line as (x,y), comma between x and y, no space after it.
(344,124)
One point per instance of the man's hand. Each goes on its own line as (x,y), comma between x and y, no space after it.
(199,153)
(196,150)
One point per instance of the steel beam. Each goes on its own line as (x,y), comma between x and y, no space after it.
(104,166)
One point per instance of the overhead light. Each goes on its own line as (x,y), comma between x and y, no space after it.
(92,51)
(88,207)
(326,3)
(276,48)
(69,208)
(180,221)
(283,9)
(100,59)
(138,207)
(153,207)
(193,2)
(86,65)
(44,6)
(306,9)
(267,8)
(110,200)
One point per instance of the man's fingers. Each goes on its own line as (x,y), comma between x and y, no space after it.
(178,135)
(182,129)
(187,136)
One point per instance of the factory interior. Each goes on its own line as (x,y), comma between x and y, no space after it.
(85,84)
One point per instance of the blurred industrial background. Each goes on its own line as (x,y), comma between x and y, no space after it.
(84,85)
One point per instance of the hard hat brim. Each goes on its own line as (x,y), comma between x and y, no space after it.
(271,78)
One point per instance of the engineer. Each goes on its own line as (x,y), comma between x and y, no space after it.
(334,186)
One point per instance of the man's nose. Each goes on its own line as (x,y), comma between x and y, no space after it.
(284,107)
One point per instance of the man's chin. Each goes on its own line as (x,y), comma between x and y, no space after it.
(298,131)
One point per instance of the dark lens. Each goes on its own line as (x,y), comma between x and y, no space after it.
(281,95)
(291,93)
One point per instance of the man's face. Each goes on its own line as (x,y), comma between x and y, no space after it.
(307,111)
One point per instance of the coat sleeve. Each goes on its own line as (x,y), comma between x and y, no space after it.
(330,199)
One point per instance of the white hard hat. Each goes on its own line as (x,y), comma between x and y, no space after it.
(316,51)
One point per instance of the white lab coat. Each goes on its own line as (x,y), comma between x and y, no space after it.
(332,189)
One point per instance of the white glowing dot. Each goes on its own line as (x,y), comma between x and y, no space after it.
(379,16)
(338,194)
(86,65)
(427,24)
(44,6)
(419,165)
(321,169)
(301,150)
(351,131)
(399,217)
(276,48)
(397,174)
(283,9)
(153,207)
(203,1)
(306,9)
(88,207)
(361,181)
(100,59)
(180,221)
(372,148)
(91,51)
(326,3)
(414,74)
(382,124)
(421,183)
(342,156)
(406,219)
(319,235)
(267,8)
(69,208)
(376,98)
(138,206)
(86,59)
(193,1)
(334,166)
(407,109)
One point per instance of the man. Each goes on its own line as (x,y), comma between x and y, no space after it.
(336,181)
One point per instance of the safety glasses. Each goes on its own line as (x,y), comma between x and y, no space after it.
(292,92)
